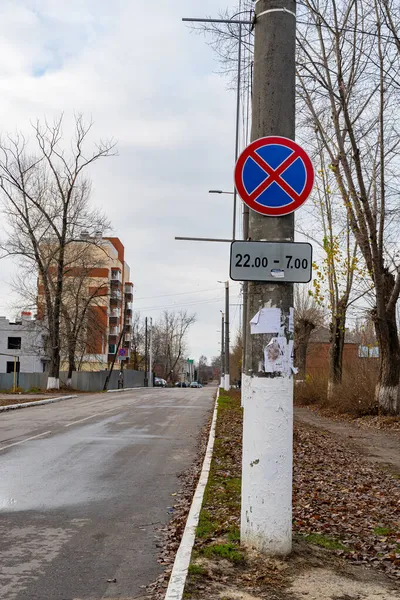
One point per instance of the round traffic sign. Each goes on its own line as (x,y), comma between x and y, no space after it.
(274,176)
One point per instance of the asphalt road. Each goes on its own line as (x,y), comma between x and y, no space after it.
(84,486)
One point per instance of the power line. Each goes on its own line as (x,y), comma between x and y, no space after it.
(389,38)
(177,294)
(195,303)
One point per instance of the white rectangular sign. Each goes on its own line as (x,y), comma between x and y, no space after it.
(271,261)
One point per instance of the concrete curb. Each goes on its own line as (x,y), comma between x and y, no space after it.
(128,389)
(38,403)
(179,573)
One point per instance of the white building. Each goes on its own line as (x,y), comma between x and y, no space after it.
(24,339)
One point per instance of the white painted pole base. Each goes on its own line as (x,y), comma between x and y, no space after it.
(266,520)
(53,383)
(222,382)
(227,385)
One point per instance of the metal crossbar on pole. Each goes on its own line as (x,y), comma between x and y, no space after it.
(228,21)
(196,239)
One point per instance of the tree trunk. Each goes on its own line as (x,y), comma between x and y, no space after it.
(302,337)
(53,381)
(71,365)
(338,331)
(387,390)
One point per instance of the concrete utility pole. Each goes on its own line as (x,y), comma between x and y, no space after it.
(146,355)
(150,376)
(268,397)
(222,350)
(227,385)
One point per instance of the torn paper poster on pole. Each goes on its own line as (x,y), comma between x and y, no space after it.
(291,320)
(267,320)
(279,355)
(275,359)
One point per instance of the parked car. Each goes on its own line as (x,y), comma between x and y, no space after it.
(180,384)
(159,382)
(195,384)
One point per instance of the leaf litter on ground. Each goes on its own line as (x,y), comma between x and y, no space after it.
(343,504)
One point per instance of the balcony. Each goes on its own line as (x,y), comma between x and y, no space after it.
(115,313)
(128,337)
(115,297)
(114,331)
(128,320)
(115,276)
(129,306)
(129,288)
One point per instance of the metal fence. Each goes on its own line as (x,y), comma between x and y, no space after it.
(83,381)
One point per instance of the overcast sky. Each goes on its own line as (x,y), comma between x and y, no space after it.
(148,81)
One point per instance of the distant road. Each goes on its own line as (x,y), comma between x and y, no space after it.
(84,485)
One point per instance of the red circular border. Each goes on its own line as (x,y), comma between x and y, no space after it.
(266,210)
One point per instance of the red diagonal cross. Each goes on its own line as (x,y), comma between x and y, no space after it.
(273,175)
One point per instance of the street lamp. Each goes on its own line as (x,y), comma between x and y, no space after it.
(220,192)
(225,324)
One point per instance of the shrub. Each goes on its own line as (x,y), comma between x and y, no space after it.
(354,396)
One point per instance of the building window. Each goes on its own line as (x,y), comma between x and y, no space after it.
(112,348)
(14,343)
(368,351)
(10,366)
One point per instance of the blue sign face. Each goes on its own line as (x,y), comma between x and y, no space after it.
(274,176)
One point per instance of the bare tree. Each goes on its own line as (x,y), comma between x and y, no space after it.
(308,315)
(169,339)
(340,262)
(137,342)
(202,371)
(46,206)
(391,12)
(349,83)
(235,361)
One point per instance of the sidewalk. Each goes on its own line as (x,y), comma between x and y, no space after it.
(376,445)
(7,399)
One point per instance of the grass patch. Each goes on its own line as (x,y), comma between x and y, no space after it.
(228,551)
(218,531)
(206,527)
(234,535)
(196,570)
(324,541)
(383,531)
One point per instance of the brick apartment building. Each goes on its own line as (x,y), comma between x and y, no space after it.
(108,284)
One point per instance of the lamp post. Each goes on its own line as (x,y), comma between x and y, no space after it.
(220,192)
(226,332)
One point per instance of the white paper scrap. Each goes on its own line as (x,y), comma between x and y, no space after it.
(267,320)
(291,320)
(278,273)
